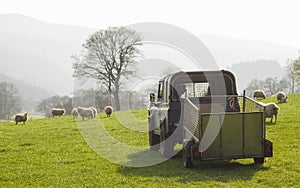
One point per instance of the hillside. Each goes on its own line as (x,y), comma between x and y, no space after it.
(29,94)
(52,152)
(26,90)
(39,53)
(245,72)
(229,50)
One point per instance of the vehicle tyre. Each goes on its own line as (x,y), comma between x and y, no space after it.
(154,141)
(259,160)
(186,153)
(166,145)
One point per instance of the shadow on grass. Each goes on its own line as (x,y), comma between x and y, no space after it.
(270,123)
(221,171)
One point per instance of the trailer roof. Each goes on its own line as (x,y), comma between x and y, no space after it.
(222,81)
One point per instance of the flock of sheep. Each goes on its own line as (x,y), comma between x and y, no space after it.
(90,113)
(271,108)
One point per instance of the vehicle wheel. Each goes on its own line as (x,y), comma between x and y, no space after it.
(154,141)
(186,153)
(259,160)
(166,145)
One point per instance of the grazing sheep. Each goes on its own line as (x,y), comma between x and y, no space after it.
(74,112)
(58,111)
(85,112)
(108,110)
(271,110)
(21,117)
(281,97)
(259,94)
(94,111)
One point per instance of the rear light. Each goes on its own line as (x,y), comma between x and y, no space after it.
(268,148)
(196,153)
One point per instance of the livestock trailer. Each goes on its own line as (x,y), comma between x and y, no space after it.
(203,112)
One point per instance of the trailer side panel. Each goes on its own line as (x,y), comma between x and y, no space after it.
(240,135)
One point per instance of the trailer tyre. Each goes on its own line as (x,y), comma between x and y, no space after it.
(186,153)
(259,160)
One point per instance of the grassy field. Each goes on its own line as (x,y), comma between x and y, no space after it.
(31,117)
(52,152)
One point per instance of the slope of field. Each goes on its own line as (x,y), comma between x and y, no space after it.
(52,152)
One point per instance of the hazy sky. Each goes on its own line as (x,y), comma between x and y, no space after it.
(269,20)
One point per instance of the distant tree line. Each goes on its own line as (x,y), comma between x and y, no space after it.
(270,86)
(293,73)
(97,98)
(10,101)
(56,101)
(289,83)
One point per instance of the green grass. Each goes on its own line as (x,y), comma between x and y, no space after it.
(52,152)
(4,121)
(36,116)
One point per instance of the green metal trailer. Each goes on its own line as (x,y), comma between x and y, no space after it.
(224,135)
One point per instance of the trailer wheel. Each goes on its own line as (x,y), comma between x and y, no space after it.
(259,160)
(154,141)
(186,153)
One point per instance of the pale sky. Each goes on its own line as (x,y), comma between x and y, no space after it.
(268,20)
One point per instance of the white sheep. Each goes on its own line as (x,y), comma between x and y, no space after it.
(108,111)
(85,112)
(94,111)
(58,111)
(21,117)
(281,97)
(271,110)
(74,112)
(259,94)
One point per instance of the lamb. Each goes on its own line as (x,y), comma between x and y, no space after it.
(259,94)
(74,112)
(21,117)
(85,112)
(271,110)
(108,111)
(94,111)
(281,97)
(58,111)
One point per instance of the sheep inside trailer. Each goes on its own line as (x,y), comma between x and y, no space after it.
(210,133)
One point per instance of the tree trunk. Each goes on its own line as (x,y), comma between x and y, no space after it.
(116,100)
(116,92)
(293,86)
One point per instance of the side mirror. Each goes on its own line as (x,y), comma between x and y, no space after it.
(152,97)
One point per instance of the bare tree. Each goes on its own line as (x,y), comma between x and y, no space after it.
(296,70)
(271,86)
(290,75)
(109,55)
(293,73)
(254,85)
(283,85)
(10,102)
(97,98)
(56,101)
